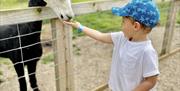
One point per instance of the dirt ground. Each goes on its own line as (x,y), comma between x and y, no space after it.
(91,65)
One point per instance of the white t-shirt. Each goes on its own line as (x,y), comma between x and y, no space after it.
(131,62)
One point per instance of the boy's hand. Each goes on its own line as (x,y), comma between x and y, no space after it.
(74,24)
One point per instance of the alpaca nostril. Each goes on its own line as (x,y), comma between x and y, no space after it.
(61,16)
(69,17)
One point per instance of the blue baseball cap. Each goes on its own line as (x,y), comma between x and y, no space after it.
(143,11)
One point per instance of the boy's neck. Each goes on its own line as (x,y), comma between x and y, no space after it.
(139,38)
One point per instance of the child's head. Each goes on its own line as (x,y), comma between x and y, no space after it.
(140,12)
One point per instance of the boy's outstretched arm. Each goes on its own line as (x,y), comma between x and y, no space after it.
(147,84)
(103,37)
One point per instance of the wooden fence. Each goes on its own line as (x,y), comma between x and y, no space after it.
(169,31)
(63,43)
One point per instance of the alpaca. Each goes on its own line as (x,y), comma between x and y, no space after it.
(22,45)
(23,50)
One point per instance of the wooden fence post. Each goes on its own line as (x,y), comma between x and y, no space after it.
(69,58)
(169,30)
(62,44)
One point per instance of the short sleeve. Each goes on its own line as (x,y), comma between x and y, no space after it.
(150,63)
(116,37)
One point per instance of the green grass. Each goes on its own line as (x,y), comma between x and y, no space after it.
(76,1)
(106,22)
(102,21)
(12,4)
(178,17)
(49,58)
(163,8)
(1,73)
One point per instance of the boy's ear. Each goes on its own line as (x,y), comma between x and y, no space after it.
(137,26)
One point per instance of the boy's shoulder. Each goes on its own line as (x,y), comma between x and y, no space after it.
(149,50)
(117,35)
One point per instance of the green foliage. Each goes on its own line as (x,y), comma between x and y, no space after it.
(102,21)
(106,22)
(12,4)
(47,59)
(1,73)
(178,17)
(46,21)
(164,10)
(76,1)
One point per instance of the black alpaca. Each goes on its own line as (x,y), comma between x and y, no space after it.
(29,41)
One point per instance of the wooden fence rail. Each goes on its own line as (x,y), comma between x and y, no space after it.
(62,33)
(9,17)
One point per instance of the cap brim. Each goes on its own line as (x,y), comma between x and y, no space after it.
(119,11)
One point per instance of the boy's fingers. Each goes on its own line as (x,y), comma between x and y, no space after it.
(65,22)
(70,23)
(74,24)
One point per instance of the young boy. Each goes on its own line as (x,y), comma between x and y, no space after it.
(134,61)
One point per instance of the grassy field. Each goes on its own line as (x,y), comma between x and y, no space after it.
(12,4)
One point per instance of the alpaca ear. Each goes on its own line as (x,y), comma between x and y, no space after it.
(43,3)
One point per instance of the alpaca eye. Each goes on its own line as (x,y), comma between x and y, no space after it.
(61,16)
